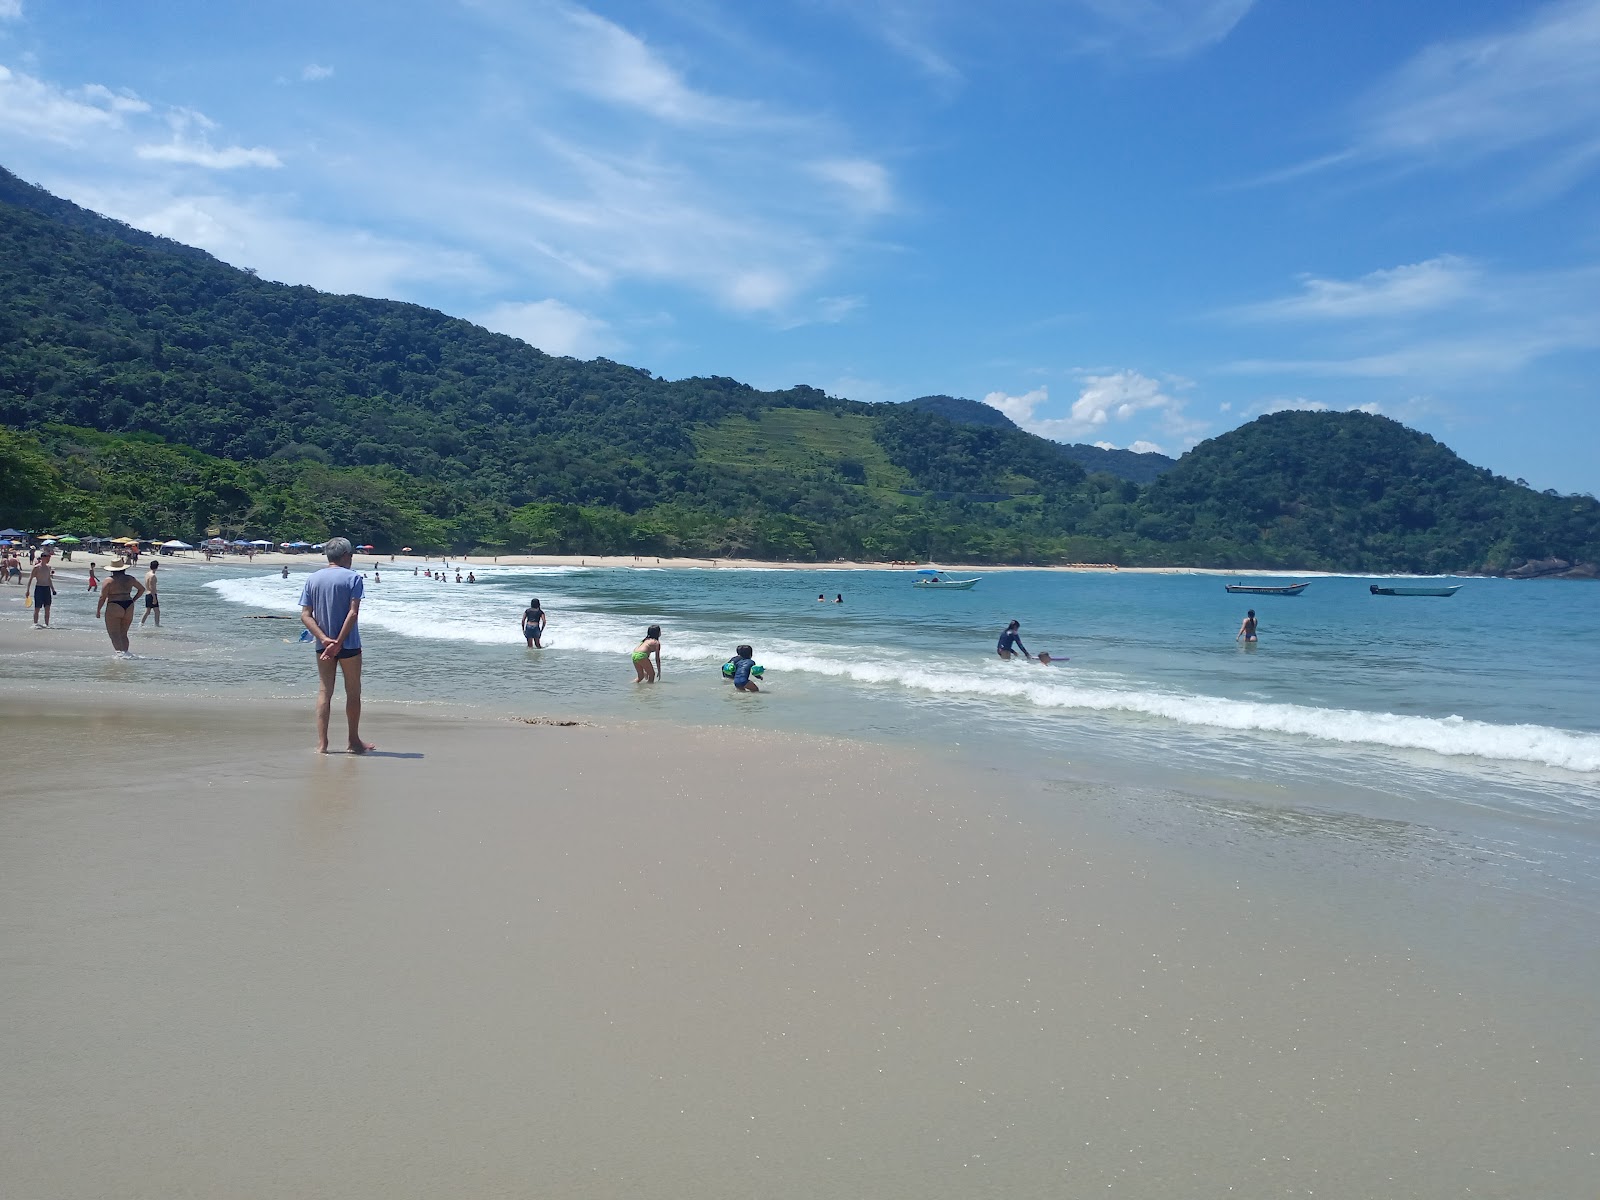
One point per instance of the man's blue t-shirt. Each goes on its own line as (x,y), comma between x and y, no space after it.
(327,594)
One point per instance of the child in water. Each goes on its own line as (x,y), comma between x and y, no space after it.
(743,661)
(644,672)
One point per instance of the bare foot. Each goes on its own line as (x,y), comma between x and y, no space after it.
(322,749)
(360,747)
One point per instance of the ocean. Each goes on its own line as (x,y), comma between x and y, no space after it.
(1463,731)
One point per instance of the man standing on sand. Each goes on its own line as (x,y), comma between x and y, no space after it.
(41,580)
(330,603)
(152,602)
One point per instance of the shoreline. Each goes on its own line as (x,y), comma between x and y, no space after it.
(503,956)
(78,567)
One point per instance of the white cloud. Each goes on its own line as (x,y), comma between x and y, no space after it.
(1531,89)
(253,235)
(552,326)
(314,72)
(601,59)
(201,154)
(865,182)
(1144,447)
(1159,28)
(10,10)
(36,109)
(1118,395)
(1104,400)
(918,30)
(1414,288)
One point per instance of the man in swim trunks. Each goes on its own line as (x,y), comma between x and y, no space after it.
(42,581)
(330,603)
(1010,642)
(152,602)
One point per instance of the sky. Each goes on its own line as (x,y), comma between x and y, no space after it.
(1137,223)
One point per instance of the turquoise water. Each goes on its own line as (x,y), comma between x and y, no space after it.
(1477,715)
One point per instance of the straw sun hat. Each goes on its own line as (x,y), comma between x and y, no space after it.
(118,564)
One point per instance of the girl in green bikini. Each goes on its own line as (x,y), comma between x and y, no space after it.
(644,671)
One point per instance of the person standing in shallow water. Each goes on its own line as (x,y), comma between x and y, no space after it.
(644,672)
(1011,642)
(116,603)
(330,604)
(1247,628)
(533,623)
(152,602)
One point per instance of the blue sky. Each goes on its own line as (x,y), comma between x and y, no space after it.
(1133,222)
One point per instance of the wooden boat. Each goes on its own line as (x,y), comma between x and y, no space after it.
(938,579)
(1448,590)
(1250,589)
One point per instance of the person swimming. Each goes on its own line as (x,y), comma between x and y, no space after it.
(1010,642)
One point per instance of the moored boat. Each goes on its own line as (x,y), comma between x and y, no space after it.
(1251,589)
(938,579)
(1447,590)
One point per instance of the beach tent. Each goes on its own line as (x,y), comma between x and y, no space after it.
(10,533)
(175,544)
(261,542)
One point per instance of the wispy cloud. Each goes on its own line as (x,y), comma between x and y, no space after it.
(923,31)
(36,109)
(202,154)
(553,327)
(105,122)
(598,57)
(1413,288)
(1447,318)
(1532,89)
(580,156)
(10,10)
(315,72)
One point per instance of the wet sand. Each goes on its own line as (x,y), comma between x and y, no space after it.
(504,959)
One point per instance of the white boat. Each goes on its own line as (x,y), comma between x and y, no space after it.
(938,579)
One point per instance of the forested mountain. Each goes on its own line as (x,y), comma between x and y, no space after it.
(149,388)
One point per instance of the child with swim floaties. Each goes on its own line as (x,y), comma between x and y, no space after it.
(740,668)
(644,672)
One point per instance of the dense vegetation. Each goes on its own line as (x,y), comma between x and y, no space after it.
(147,388)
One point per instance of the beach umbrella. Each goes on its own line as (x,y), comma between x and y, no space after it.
(260,542)
(405,549)
(366,547)
(69,540)
(10,533)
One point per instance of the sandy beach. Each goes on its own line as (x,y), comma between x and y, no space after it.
(513,959)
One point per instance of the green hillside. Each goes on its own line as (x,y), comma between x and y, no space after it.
(147,388)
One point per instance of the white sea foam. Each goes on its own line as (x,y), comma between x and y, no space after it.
(420,608)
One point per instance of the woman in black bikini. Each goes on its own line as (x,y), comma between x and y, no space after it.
(117,595)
